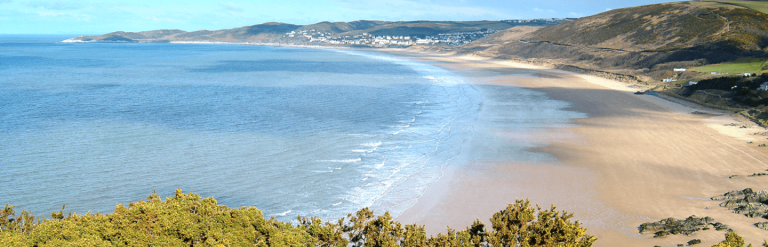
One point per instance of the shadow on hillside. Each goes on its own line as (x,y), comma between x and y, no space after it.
(615,59)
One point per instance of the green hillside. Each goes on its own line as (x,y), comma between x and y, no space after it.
(761,6)
(744,65)
(641,43)
(663,27)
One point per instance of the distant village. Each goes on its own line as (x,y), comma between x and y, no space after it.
(367,39)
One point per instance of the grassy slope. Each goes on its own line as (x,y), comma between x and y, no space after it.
(761,6)
(644,41)
(744,65)
(662,27)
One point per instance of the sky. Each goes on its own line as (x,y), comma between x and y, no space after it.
(98,16)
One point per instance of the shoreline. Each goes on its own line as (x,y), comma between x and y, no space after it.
(613,171)
(634,159)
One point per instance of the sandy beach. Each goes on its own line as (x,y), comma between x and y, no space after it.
(633,159)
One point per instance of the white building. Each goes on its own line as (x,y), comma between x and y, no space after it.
(691,83)
(680,69)
(763,86)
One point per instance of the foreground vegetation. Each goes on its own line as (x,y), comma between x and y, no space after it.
(189,220)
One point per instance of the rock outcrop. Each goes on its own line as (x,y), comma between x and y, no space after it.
(747,202)
(762,225)
(686,227)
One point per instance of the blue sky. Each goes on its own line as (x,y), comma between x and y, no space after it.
(96,17)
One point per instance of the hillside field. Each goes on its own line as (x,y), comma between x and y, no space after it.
(743,65)
(761,6)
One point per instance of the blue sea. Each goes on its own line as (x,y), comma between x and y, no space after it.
(292,131)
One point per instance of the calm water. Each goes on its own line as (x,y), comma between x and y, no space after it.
(290,131)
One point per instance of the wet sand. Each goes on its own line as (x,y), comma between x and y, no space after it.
(634,159)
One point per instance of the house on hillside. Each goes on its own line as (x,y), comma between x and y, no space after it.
(763,86)
(680,69)
(691,83)
(747,74)
(669,80)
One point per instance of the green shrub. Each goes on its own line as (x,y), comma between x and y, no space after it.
(731,240)
(189,220)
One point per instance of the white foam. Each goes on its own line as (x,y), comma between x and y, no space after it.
(284,213)
(371,144)
(344,161)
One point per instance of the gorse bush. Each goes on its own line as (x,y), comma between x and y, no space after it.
(189,220)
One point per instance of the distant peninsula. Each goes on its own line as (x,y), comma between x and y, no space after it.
(361,33)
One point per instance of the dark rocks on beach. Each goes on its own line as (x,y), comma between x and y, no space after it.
(720,226)
(686,227)
(762,225)
(760,174)
(747,202)
(694,242)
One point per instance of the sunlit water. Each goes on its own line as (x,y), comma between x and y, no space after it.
(290,131)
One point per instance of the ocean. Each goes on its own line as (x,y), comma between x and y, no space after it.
(291,131)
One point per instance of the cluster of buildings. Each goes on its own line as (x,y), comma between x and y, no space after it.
(455,39)
(366,39)
(763,86)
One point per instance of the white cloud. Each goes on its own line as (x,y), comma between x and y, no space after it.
(56,5)
(161,19)
(574,14)
(69,16)
(231,6)
(542,10)
(411,10)
(50,14)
